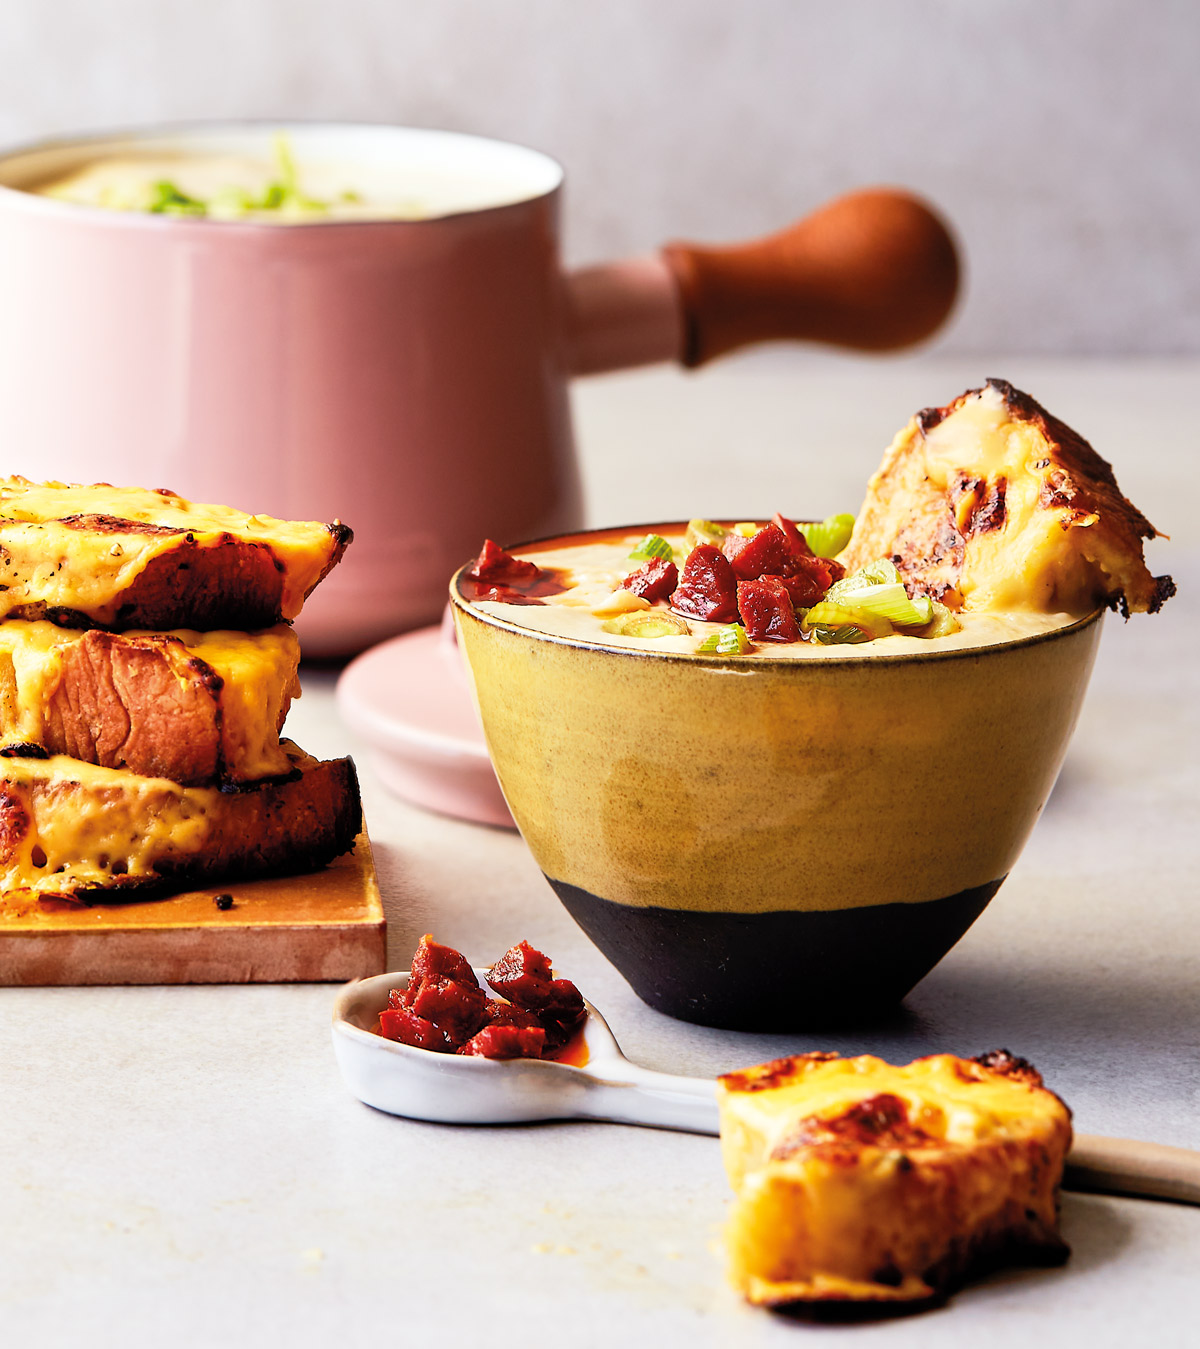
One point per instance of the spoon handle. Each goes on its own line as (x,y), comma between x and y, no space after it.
(1127,1166)
(625,1093)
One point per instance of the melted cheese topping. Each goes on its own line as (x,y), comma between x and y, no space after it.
(975,1166)
(954,1100)
(980,434)
(67,826)
(597,568)
(1032,563)
(258,671)
(43,560)
(987,510)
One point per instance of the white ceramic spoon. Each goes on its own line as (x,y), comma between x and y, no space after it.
(455,1089)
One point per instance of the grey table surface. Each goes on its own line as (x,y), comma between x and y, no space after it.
(183,1165)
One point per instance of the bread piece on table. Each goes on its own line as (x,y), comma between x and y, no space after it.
(992,503)
(126,557)
(196,707)
(859,1181)
(75,830)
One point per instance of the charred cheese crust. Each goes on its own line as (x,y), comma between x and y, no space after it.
(196,707)
(68,829)
(992,503)
(860,1181)
(126,557)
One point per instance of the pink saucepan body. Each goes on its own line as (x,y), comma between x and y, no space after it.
(407,376)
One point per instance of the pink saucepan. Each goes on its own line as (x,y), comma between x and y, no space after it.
(408,376)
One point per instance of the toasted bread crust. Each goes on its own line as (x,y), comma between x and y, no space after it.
(166,563)
(149,702)
(97,834)
(861,1182)
(947,537)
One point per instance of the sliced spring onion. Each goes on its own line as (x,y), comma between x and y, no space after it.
(730,640)
(886,601)
(746,528)
(840,636)
(880,572)
(942,622)
(653,545)
(704,531)
(828,537)
(282,194)
(830,617)
(647,625)
(168,199)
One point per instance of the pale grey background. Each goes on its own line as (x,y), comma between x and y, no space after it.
(1060,138)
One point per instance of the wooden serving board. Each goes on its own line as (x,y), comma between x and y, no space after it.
(327,925)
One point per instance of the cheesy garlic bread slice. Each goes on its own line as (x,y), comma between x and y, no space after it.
(859,1181)
(992,503)
(196,707)
(77,831)
(126,557)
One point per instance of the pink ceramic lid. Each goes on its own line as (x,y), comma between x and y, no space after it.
(409,699)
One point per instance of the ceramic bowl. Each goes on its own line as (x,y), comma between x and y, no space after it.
(760,842)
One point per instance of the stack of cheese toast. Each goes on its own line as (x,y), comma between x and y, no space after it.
(146,667)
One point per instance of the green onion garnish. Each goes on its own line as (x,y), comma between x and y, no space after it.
(704,531)
(830,617)
(168,199)
(886,601)
(880,572)
(828,537)
(730,640)
(282,193)
(647,624)
(840,636)
(942,622)
(653,545)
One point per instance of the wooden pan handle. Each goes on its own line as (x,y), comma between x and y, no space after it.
(1125,1166)
(874,270)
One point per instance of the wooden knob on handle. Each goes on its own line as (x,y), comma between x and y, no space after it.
(874,270)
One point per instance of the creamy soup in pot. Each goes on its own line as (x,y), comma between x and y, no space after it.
(228,187)
(277,186)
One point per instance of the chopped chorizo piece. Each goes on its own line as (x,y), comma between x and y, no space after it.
(653,580)
(500,1013)
(797,543)
(456,1008)
(767,553)
(496,564)
(442,989)
(445,1009)
(502,594)
(399,1023)
(507,1042)
(523,976)
(707,589)
(767,610)
(434,961)
(812,578)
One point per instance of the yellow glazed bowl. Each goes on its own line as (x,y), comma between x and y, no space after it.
(759,842)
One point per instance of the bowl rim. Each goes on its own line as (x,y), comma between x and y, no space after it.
(743,662)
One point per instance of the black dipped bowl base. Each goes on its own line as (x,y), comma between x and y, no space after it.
(783,970)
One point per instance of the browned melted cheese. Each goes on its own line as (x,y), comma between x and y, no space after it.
(991,503)
(68,828)
(860,1180)
(80,548)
